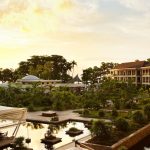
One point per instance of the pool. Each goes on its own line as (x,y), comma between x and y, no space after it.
(37,134)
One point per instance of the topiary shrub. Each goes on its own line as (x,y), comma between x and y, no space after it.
(122,124)
(73,129)
(55,118)
(100,129)
(114,113)
(101,113)
(138,117)
(147,111)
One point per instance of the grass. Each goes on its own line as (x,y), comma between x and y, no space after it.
(108,115)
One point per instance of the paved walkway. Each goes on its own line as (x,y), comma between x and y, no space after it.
(63,115)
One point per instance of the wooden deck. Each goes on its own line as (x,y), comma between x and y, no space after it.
(5,142)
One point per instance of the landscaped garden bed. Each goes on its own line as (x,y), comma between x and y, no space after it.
(131,141)
(74,132)
(104,113)
(49,138)
(52,140)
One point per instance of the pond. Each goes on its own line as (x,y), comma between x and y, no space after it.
(36,133)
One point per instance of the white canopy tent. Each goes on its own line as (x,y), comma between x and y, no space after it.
(14,117)
(11,113)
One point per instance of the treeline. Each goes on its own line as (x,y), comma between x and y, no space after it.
(97,74)
(38,98)
(110,94)
(44,67)
(54,67)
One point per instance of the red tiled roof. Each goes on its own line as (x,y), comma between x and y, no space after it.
(136,64)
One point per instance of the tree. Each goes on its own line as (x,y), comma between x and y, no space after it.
(87,75)
(148,59)
(73,63)
(7,75)
(97,74)
(106,67)
(23,68)
(47,67)
(15,75)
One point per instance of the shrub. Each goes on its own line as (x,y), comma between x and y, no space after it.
(101,113)
(56,118)
(117,104)
(147,111)
(130,104)
(114,113)
(100,129)
(122,124)
(145,101)
(122,148)
(73,129)
(19,141)
(86,112)
(45,108)
(129,114)
(138,117)
(20,105)
(19,144)
(31,108)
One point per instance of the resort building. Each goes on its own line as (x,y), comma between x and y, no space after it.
(138,72)
(75,84)
(29,79)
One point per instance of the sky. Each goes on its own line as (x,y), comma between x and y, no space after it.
(87,31)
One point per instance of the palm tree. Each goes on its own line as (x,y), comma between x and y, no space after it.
(73,63)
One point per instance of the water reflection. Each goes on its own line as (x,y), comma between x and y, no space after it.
(34,125)
(36,132)
(49,139)
(49,147)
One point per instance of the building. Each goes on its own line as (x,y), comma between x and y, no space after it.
(138,72)
(30,79)
(75,84)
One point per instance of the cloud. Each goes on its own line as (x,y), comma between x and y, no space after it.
(49,16)
(75,28)
(138,5)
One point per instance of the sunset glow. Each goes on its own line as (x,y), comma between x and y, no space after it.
(88,31)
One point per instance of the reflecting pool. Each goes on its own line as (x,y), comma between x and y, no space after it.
(36,133)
